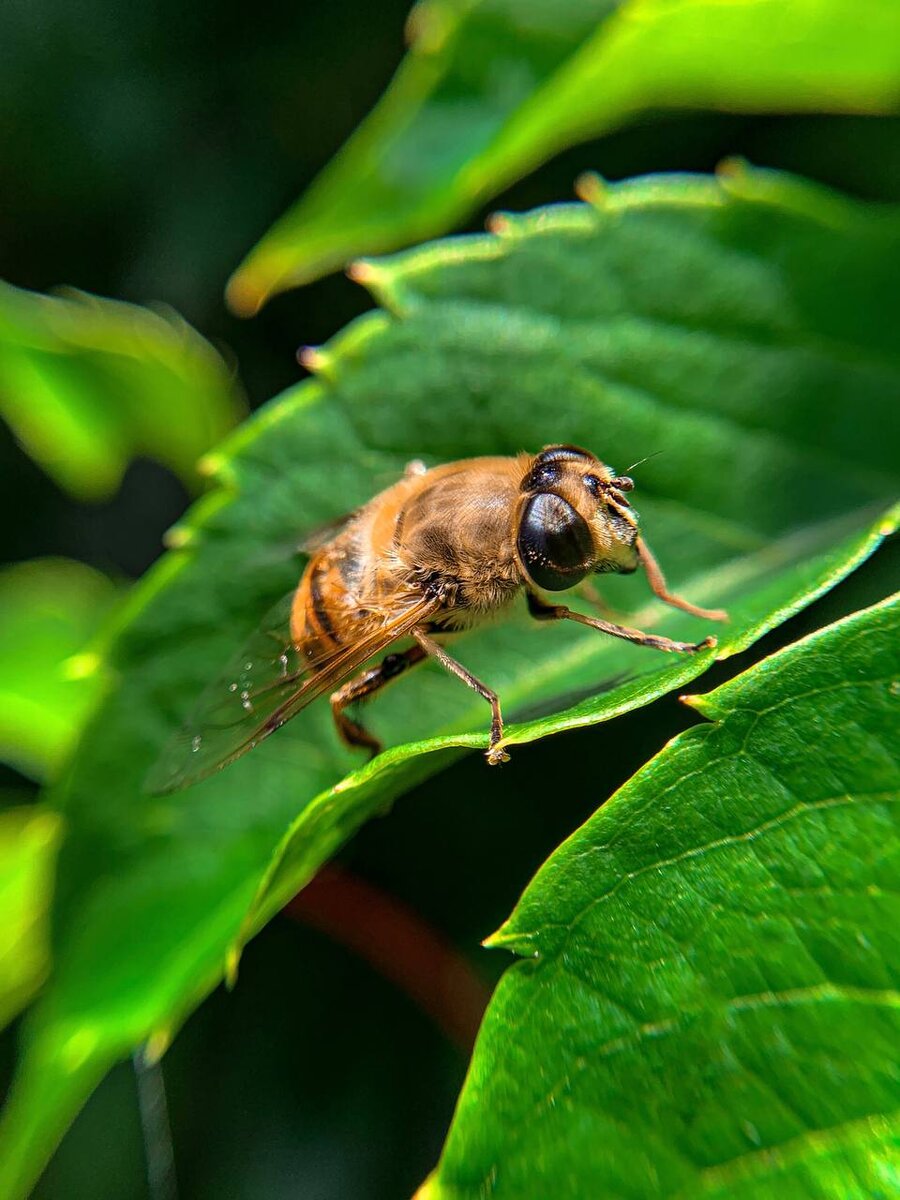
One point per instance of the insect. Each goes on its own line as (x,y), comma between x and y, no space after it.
(438,552)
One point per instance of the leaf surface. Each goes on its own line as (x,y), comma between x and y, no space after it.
(29,839)
(88,384)
(747,328)
(492,88)
(708,1005)
(49,609)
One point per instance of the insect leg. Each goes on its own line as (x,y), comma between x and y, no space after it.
(494,755)
(657,583)
(365,685)
(558,612)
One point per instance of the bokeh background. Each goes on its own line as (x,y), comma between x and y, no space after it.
(143,150)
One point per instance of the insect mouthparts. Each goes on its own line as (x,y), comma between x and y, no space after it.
(622,483)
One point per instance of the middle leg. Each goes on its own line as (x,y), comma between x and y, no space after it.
(494,754)
(367,684)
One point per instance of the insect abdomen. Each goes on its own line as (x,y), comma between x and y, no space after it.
(316,627)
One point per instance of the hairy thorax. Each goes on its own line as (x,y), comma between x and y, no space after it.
(448,532)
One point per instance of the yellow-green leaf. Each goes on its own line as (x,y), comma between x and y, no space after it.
(492,88)
(87,384)
(49,609)
(28,844)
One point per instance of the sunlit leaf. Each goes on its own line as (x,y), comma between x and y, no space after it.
(86,385)
(491,89)
(28,843)
(49,609)
(708,1006)
(746,328)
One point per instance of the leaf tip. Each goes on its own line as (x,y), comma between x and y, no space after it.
(178,537)
(348,782)
(212,466)
(592,189)
(498,224)
(507,938)
(363,271)
(245,293)
(427,27)
(732,169)
(313,358)
(700,705)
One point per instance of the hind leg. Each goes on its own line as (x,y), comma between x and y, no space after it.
(365,685)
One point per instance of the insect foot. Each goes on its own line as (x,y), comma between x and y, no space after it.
(496,755)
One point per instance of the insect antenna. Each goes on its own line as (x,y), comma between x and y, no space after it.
(640,462)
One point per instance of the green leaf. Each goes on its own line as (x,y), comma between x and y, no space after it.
(492,88)
(86,385)
(28,844)
(49,609)
(747,328)
(709,1004)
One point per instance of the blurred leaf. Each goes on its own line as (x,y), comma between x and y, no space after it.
(49,608)
(88,384)
(746,327)
(492,88)
(709,1005)
(28,843)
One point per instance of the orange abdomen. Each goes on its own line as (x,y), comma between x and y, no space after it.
(317,624)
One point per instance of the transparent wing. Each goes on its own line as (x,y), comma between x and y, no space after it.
(323,534)
(263,686)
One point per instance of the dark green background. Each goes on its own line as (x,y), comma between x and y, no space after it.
(145,149)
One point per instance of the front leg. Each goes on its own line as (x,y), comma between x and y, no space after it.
(660,588)
(541,611)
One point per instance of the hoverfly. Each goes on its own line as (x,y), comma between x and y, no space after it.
(439,551)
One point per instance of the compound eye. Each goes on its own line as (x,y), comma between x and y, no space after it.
(554,543)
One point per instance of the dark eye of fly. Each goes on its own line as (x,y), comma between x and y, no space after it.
(542,475)
(554,543)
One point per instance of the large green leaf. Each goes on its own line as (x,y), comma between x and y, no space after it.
(88,384)
(709,1004)
(748,330)
(492,88)
(49,608)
